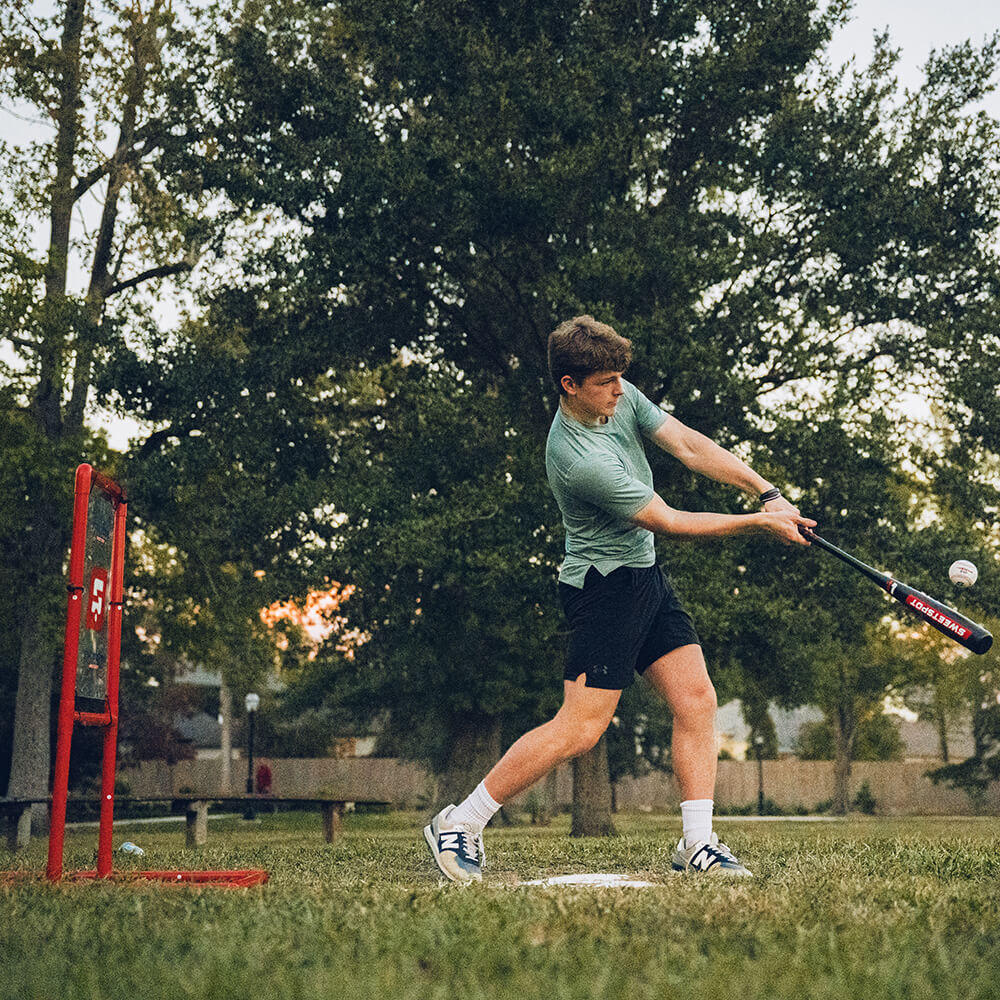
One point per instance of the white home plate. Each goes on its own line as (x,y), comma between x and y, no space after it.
(594,878)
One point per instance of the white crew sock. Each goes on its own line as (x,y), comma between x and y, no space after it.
(696,817)
(476,811)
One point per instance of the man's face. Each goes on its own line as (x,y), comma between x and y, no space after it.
(596,396)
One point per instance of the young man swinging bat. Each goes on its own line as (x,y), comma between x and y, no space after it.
(623,616)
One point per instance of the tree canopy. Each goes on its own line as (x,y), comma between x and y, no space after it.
(398,201)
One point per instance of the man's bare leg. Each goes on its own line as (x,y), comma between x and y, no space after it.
(575,728)
(455,834)
(681,678)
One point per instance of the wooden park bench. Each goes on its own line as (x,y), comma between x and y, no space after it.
(15,812)
(196,811)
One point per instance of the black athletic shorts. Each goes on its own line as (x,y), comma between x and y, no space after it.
(621,623)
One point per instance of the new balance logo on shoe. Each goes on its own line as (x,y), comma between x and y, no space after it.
(450,842)
(704,859)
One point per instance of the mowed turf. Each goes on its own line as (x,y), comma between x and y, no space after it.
(880,908)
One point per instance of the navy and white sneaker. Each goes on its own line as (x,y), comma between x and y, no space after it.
(457,852)
(707,856)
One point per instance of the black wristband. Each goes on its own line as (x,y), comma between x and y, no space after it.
(772,494)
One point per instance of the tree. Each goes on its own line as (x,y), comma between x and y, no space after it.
(450,547)
(464,177)
(981,695)
(487,223)
(122,90)
(967,419)
(975,774)
(225,496)
(877,738)
(944,681)
(31,468)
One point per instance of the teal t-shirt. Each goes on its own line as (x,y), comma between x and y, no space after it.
(600,478)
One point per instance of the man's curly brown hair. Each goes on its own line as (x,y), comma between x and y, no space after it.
(582,346)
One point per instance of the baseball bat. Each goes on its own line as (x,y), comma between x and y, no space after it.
(946,620)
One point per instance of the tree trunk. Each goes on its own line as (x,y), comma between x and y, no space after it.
(101,277)
(30,752)
(942,728)
(845,725)
(475,748)
(941,721)
(592,794)
(40,613)
(47,401)
(550,799)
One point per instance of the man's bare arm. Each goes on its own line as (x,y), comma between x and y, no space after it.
(702,455)
(661,519)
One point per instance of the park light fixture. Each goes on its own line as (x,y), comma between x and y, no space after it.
(252,702)
(759,743)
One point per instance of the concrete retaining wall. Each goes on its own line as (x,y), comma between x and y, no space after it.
(899,788)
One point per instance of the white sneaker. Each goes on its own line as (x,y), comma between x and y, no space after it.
(707,856)
(457,852)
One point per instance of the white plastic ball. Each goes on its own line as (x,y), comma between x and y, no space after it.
(963,573)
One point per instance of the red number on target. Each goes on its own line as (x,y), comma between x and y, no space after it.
(98,601)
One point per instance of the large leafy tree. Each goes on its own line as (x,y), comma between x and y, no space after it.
(464,176)
(967,478)
(965,527)
(230,501)
(114,312)
(450,545)
(120,91)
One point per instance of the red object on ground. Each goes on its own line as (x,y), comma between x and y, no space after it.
(222,879)
(264,779)
(240,879)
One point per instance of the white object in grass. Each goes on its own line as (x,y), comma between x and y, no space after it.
(594,878)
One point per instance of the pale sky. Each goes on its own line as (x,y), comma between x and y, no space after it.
(916,28)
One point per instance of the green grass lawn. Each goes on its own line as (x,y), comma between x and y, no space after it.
(880,908)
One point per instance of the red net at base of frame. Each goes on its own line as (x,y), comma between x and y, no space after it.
(238,879)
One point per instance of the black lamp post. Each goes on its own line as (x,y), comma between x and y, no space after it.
(252,702)
(758,741)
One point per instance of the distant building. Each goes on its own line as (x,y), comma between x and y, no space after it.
(734,733)
(920,738)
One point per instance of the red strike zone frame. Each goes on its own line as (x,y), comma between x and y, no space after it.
(98,603)
(102,598)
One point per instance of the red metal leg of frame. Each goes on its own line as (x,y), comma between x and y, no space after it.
(60,785)
(111,729)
